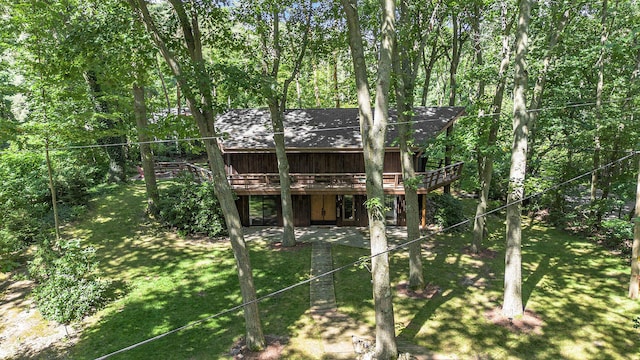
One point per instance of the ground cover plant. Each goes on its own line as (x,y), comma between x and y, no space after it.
(574,290)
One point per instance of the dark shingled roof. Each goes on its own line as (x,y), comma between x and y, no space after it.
(250,129)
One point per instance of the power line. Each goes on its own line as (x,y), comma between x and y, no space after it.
(366,258)
(391,124)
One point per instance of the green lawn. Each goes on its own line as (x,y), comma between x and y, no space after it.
(168,282)
(577,291)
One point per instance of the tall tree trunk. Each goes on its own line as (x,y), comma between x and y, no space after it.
(512,305)
(428,66)
(538,89)
(203,114)
(316,88)
(336,91)
(400,62)
(477,48)
(634,283)
(487,156)
(116,154)
(164,85)
(406,61)
(480,93)
(373,129)
(277,117)
(146,155)
(428,69)
(277,104)
(456,49)
(604,34)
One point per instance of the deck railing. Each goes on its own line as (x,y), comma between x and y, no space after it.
(432,179)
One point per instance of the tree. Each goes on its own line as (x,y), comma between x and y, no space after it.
(435,52)
(146,155)
(277,46)
(196,88)
(634,283)
(373,130)
(486,157)
(458,40)
(113,142)
(512,304)
(409,47)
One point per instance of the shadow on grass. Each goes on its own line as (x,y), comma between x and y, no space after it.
(576,288)
(175,281)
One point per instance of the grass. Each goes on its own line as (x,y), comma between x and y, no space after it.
(166,282)
(576,290)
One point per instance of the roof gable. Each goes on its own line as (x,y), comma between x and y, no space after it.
(307,129)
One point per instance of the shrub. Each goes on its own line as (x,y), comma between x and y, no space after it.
(617,233)
(192,208)
(447,211)
(26,199)
(67,288)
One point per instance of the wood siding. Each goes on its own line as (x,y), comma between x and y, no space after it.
(301,210)
(307,163)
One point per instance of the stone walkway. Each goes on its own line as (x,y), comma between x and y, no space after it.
(330,323)
(322,295)
(334,327)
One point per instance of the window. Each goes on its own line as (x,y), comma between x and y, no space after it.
(390,208)
(263,210)
(348,207)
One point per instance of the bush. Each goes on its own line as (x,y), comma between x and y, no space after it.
(26,199)
(67,288)
(447,211)
(617,233)
(192,208)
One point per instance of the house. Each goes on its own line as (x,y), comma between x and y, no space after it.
(324,149)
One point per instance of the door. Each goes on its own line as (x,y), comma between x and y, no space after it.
(323,209)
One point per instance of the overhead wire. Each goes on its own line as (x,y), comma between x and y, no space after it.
(317,130)
(398,247)
(366,258)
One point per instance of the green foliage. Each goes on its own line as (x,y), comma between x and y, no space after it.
(68,288)
(192,208)
(413,182)
(447,211)
(375,207)
(616,233)
(26,199)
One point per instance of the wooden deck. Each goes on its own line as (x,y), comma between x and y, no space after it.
(329,183)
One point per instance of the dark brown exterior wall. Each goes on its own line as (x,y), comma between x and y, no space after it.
(307,163)
(361,218)
(310,163)
(243,208)
(301,210)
